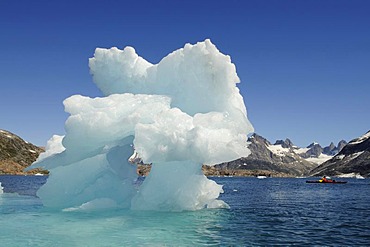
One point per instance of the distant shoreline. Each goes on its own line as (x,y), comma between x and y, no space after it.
(211,171)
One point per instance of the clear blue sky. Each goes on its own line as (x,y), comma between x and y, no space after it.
(304,64)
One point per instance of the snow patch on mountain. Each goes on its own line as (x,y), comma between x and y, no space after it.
(360,139)
(355,155)
(340,157)
(298,150)
(278,150)
(313,153)
(320,159)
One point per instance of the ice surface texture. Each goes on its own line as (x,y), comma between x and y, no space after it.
(179,114)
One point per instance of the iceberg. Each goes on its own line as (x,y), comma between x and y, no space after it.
(178,114)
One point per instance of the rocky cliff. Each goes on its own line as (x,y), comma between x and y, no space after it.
(16,154)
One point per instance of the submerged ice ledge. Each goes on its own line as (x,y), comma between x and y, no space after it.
(178,114)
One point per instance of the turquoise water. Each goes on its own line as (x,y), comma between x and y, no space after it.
(273,211)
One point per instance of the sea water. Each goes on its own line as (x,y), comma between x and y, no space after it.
(272,211)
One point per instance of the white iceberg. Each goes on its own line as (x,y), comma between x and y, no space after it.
(179,114)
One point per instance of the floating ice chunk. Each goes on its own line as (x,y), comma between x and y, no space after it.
(178,114)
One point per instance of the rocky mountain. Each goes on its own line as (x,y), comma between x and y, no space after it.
(270,159)
(317,154)
(282,158)
(340,146)
(353,158)
(285,144)
(314,150)
(332,149)
(16,154)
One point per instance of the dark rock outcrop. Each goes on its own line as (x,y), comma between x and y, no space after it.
(314,150)
(332,149)
(329,150)
(341,145)
(285,144)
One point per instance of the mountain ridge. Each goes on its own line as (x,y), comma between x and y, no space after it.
(353,158)
(282,157)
